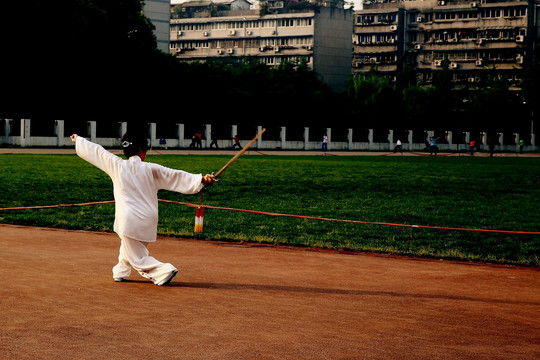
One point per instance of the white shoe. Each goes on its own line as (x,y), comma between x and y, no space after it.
(168,279)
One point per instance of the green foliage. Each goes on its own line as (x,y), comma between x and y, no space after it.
(406,104)
(89,52)
(466,192)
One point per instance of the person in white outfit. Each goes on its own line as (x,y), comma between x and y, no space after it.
(136,184)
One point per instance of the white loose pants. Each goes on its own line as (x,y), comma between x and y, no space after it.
(134,253)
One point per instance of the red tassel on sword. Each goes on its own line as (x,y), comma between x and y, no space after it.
(199,219)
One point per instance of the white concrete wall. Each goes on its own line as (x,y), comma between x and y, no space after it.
(62,140)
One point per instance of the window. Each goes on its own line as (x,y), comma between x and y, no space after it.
(269,23)
(303,22)
(364,19)
(386,18)
(285,22)
(515,12)
(490,13)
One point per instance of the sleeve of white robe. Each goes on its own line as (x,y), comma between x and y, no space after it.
(176,180)
(96,155)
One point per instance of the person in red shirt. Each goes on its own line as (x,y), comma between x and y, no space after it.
(236,142)
(472,144)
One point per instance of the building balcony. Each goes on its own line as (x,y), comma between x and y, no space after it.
(519,22)
(267,50)
(472,44)
(375,48)
(474,64)
(363,67)
(375,28)
(240,33)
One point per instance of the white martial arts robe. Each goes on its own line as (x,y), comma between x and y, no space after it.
(136,184)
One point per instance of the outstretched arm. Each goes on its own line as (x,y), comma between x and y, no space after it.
(95,154)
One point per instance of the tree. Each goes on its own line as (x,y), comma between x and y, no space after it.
(531,90)
(74,58)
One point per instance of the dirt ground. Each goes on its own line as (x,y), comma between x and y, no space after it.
(240,301)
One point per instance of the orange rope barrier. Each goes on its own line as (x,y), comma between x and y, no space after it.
(354,221)
(56,206)
(292,216)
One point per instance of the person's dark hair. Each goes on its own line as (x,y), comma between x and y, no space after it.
(132,141)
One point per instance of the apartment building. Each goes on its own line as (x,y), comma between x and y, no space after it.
(272,31)
(472,35)
(158,11)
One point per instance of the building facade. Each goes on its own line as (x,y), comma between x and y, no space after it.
(472,35)
(158,11)
(318,35)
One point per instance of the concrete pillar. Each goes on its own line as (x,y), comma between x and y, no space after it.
(306,138)
(370,139)
(59,132)
(122,129)
(329,134)
(390,139)
(259,140)
(501,138)
(467,137)
(350,138)
(92,130)
(25,132)
(180,135)
(7,130)
(207,135)
(283,136)
(152,134)
(449,138)
(410,139)
(234,132)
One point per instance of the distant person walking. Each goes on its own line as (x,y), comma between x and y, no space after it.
(491,144)
(433,148)
(325,142)
(236,142)
(198,139)
(521,145)
(398,147)
(472,144)
(214,140)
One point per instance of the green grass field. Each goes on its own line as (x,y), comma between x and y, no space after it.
(466,192)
